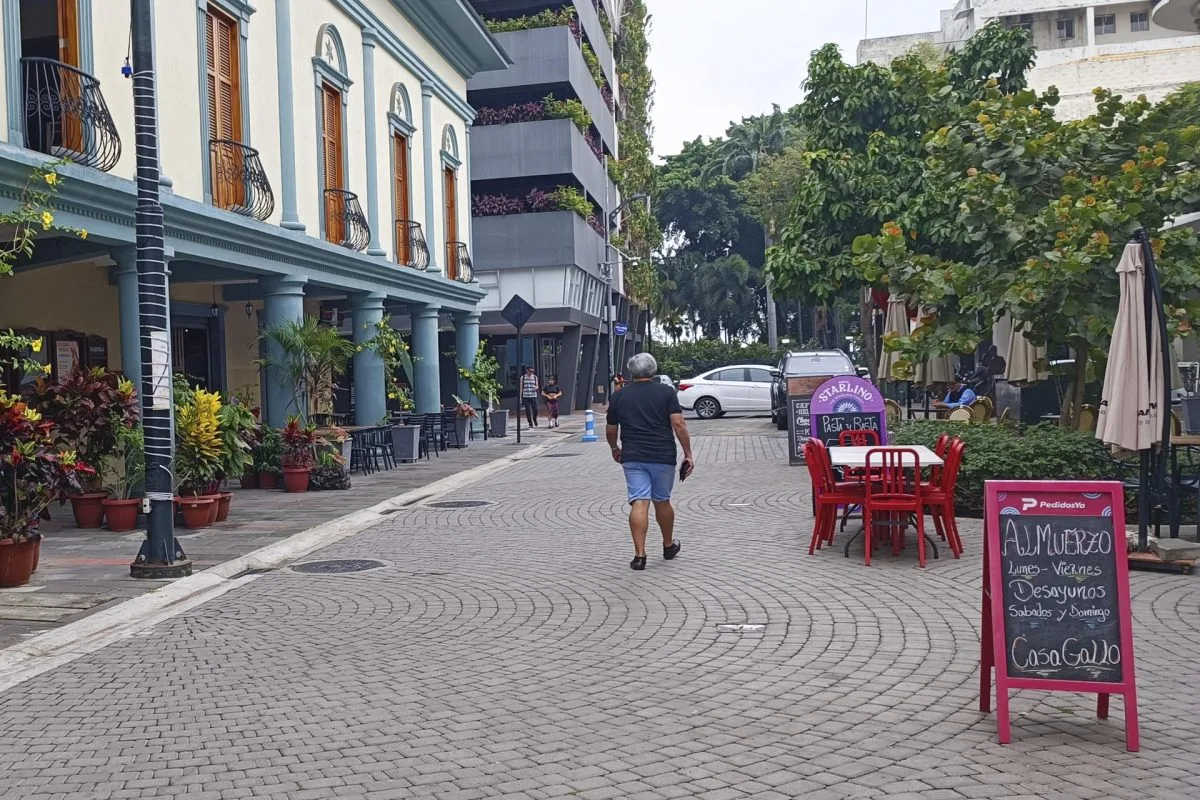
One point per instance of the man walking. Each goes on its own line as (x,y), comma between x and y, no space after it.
(647,418)
(529,396)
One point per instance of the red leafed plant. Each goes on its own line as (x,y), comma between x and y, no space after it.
(34,469)
(87,410)
(299,444)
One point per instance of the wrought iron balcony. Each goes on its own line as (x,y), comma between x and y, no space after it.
(239,182)
(411,248)
(66,116)
(458,263)
(345,223)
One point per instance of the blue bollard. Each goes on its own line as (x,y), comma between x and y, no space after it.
(589,426)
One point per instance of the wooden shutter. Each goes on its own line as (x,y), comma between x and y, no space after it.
(70,84)
(450,189)
(224,108)
(331,145)
(400,187)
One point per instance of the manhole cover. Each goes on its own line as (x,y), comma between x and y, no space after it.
(741,628)
(560,455)
(337,566)
(460,504)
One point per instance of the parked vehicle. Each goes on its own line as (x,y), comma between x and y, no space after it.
(739,387)
(805,364)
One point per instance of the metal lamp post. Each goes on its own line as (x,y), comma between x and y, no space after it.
(606,271)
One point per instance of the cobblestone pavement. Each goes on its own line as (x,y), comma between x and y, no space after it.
(508,651)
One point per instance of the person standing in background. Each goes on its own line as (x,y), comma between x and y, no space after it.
(529,396)
(551,392)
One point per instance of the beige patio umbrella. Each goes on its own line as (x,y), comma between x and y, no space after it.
(1131,401)
(938,370)
(1026,362)
(895,323)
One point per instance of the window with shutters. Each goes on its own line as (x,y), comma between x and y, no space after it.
(333,177)
(224,109)
(450,188)
(400,192)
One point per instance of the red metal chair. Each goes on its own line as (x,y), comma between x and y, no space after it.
(856,438)
(894,495)
(828,493)
(939,497)
(941,448)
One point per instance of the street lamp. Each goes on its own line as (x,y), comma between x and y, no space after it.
(606,271)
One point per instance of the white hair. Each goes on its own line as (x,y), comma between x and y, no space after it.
(642,365)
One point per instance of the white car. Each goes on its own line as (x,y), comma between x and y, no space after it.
(739,387)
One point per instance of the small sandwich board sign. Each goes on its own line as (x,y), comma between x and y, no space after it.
(847,403)
(1056,612)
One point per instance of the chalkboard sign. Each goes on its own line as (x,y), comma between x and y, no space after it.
(798,410)
(1056,612)
(799,398)
(847,403)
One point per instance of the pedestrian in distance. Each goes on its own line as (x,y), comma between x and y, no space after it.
(644,420)
(551,392)
(529,396)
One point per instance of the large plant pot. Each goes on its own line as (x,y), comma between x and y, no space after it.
(223,501)
(406,442)
(214,508)
(249,480)
(499,423)
(88,509)
(16,562)
(196,510)
(347,448)
(268,480)
(121,514)
(462,431)
(295,479)
(1191,414)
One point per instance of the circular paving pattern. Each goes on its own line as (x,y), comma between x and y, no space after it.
(459,504)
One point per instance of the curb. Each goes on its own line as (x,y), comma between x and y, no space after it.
(59,646)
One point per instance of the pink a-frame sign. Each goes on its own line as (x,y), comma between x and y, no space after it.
(1056,613)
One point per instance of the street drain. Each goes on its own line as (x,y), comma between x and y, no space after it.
(460,504)
(741,628)
(560,455)
(337,566)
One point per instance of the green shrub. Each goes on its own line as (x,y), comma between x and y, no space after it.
(544,19)
(593,64)
(568,198)
(1010,452)
(568,109)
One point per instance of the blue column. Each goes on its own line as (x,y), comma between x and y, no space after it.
(466,345)
(126,275)
(368,41)
(287,116)
(283,301)
(431,177)
(428,389)
(370,388)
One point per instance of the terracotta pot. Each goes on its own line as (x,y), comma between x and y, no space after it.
(88,509)
(249,480)
(268,480)
(223,501)
(295,479)
(121,514)
(37,551)
(196,510)
(16,562)
(214,508)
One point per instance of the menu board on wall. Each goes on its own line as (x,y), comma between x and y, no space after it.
(66,358)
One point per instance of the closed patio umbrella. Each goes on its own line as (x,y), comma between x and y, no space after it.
(1022,367)
(1131,403)
(895,323)
(937,370)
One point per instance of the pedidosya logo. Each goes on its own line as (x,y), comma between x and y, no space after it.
(847,397)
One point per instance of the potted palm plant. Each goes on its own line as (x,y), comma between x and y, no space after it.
(123,474)
(299,453)
(310,356)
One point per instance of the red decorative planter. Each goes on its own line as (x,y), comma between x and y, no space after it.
(196,510)
(88,509)
(214,508)
(295,479)
(223,501)
(121,514)
(16,562)
(268,480)
(249,480)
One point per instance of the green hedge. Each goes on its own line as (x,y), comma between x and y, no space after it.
(1010,452)
(689,359)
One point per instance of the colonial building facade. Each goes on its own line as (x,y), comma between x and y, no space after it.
(314,158)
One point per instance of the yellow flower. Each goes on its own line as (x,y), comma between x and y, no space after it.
(82,233)
(51,178)
(36,346)
(47,219)
(46,368)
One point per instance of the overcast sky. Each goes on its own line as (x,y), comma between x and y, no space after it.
(720,60)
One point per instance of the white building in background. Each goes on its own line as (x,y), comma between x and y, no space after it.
(1080,45)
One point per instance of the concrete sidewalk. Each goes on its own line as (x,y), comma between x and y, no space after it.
(85,571)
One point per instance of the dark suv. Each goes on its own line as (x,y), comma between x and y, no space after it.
(805,364)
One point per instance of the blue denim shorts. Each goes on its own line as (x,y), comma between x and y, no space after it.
(649,481)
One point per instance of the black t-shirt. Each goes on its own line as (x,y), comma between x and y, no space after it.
(643,409)
(551,389)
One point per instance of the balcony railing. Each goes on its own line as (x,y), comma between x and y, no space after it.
(66,116)
(458,263)
(239,182)
(345,223)
(411,248)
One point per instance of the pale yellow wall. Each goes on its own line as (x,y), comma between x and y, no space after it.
(261,70)
(241,348)
(397,23)
(110,46)
(73,297)
(182,139)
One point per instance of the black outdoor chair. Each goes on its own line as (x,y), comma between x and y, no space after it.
(379,443)
(450,430)
(360,453)
(429,438)
(1185,479)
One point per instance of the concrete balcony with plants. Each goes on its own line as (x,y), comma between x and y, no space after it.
(544,152)
(547,59)
(545,239)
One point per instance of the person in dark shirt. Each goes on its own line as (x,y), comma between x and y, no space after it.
(647,418)
(552,392)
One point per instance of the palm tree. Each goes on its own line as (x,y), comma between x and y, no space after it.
(310,356)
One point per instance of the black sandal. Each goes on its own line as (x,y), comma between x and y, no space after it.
(672,551)
(638,563)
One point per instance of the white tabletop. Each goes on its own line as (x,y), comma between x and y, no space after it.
(857,456)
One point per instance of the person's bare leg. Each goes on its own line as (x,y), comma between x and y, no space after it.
(639,523)
(664,514)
